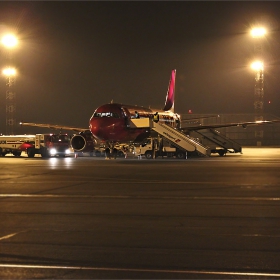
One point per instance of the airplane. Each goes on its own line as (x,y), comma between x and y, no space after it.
(110,123)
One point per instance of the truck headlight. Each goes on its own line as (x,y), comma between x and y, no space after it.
(53,151)
(67,152)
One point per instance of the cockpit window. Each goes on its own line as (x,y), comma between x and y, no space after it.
(106,114)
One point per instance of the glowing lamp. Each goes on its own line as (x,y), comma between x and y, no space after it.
(257,65)
(9,72)
(9,41)
(258,32)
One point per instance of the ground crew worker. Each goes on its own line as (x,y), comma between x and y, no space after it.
(156,117)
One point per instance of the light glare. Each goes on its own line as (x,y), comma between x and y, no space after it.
(9,72)
(53,151)
(9,41)
(257,65)
(258,32)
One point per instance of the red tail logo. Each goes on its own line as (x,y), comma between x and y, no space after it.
(169,102)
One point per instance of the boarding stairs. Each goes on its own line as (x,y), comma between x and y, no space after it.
(179,139)
(176,137)
(220,140)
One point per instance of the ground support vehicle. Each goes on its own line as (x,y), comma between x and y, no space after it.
(15,144)
(182,142)
(158,147)
(217,142)
(46,145)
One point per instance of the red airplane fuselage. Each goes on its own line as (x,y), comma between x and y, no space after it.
(110,122)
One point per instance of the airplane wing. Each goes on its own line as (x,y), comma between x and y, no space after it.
(199,118)
(243,124)
(55,126)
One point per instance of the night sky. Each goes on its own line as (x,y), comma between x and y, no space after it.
(75,56)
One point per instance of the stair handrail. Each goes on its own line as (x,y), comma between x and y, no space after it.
(180,133)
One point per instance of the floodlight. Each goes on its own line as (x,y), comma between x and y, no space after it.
(257,65)
(258,32)
(9,41)
(9,72)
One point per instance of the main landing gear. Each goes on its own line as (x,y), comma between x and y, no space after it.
(111,153)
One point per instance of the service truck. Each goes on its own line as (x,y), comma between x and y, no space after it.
(155,147)
(15,144)
(46,145)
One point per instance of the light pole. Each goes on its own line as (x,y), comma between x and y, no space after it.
(10,74)
(258,33)
(258,67)
(10,41)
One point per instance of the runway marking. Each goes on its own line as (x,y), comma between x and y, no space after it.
(10,235)
(130,181)
(139,197)
(140,270)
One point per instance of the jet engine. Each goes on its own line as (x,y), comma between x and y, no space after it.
(83,142)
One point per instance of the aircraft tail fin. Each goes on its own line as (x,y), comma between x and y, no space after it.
(169,102)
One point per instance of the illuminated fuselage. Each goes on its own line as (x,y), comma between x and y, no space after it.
(110,122)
